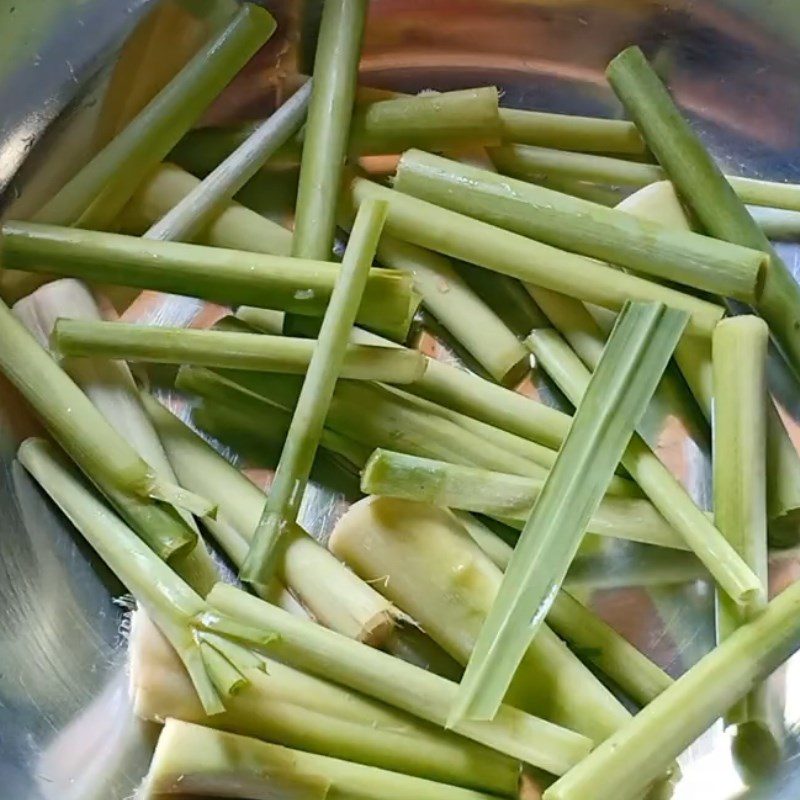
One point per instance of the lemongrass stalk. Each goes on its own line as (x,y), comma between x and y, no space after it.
(635,357)
(117,340)
(584,227)
(181,614)
(291,708)
(777,223)
(703,187)
(308,420)
(336,597)
(322,652)
(505,496)
(567,132)
(626,763)
(468,239)
(211,273)
(740,489)
(99,191)
(200,760)
(258,320)
(328,126)
(665,492)
(231,225)
(199,206)
(412,645)
(422,559)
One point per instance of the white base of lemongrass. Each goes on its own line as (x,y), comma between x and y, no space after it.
(298,710)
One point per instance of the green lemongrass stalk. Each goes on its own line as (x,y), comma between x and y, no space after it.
(622,766)
(231,225)
(328,127)
(567,132)
(202,761)
(468,239)
(777,223)
(336,597)
(117,340)
(584,227)
(412,645)
(740,488)
(286,492)
(633,362)
(693,356)
(604,195)
(226,276)
(294,709)
(536,163)
(421,558)
(703,187)
(89,438)
(504,496)
(322,652)
(666,493)
(111,388)
(99,191)
(181,614)
(195,210)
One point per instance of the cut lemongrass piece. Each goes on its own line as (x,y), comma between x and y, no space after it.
(740,495)
(117,340)
(567,132)
(477,242)
(297,710)
(624,765)
(703,187)
(210,273)
(412,645)
(328,126)
(315,649)
(297,457)
(99,191)
(201,761)
(666,493)
(422,559)
(199,206)
(633,362)
(505,496)
(176,608)
(584,227)
(336,597)
(232,225)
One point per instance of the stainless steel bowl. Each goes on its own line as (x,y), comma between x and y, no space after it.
(66,730)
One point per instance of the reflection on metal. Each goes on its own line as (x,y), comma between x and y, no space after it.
(65,724)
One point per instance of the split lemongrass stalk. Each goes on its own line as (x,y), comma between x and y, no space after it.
(584,227)
(693,356)
(117,340)
(91,441)
(319,651)
(226,276)
(703,187)
(333,594)
(199,206)
(422,559)
(535,163)
(294,709)
(632,364)
(622,766)
(99,191)
(181,614)
(567,132)
(199,760)
(666,493)
(328,127)
(740,492)
(286,493)
(111,388)
(468,239)
(504,496)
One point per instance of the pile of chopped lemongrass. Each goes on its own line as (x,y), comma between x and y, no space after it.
(438,648)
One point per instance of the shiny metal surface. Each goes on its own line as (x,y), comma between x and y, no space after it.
(65,726)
